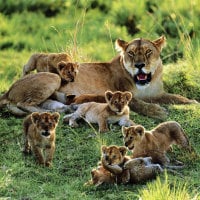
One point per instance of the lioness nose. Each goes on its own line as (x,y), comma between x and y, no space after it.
(139,65)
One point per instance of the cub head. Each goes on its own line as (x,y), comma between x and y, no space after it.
(141,58)
(100,176)
(118,101)
(113,155)
(45,122)
(67,70)
(135,163)
(132,135)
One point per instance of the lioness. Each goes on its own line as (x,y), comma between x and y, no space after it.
(156,142)
(115,110)
(39,132)
(45,62)
(137,69)
(125,169)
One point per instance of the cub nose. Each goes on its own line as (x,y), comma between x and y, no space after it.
(106,157)
(139,65)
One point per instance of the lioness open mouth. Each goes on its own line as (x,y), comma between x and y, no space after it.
(142,78)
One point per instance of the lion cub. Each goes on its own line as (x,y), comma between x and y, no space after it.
(156,142)
(59,63)
(100,176)
(39,132)
(114,110)
(116,167)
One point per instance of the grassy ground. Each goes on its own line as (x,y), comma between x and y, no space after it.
(89,34)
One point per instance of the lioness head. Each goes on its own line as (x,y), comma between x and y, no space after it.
(67,70)
(113,155)
(45,122)
(117,101)
(132,135)
(141,58)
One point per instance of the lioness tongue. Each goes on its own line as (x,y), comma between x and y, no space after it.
(142,77)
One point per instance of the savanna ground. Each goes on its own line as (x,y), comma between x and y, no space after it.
(87,30)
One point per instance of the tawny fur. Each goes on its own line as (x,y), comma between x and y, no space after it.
(101,176)
(39,134)
(137,69)
(32,92)
(45,62)
(88,98)
(115,110)
(156,142)
(127,170)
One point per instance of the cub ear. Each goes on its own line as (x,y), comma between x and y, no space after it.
(120,45)
(124,129)
(128,96)
(139,130)
(141,161)
(76,65)
(61,65)
(56,116)
(35,116)
(103,148)
(108,95)
(160,42)
(94,172)
(123,150)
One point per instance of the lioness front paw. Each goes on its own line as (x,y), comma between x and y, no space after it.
(156,111)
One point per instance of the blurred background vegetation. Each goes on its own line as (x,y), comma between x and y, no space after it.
(87,30)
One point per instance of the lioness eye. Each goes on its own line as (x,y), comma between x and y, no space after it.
(131,53)
(148,52)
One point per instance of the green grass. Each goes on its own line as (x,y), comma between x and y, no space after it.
(87,30)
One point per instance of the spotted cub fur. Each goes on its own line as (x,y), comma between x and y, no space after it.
(114,110)
(156,142)
(116,167)
(40,133)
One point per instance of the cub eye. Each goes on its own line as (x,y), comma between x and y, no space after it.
(131,53)
(131,138)
(148,52)
(114,156)
(115,102)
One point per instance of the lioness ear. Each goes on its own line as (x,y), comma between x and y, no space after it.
(120,45)
(108,95)
(160,42)
(139,130)
(56,116)
(61,65)
(35,116)
(123,150)
(103,148)
(128,96)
